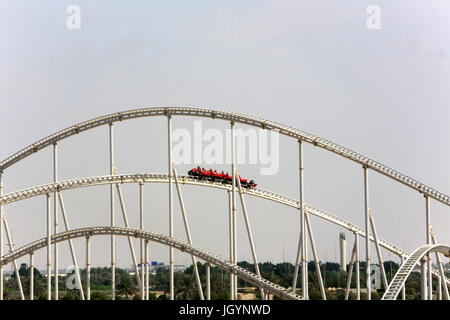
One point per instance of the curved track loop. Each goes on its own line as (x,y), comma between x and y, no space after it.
(163,178)
(159,238)
(407,267)
(229,116)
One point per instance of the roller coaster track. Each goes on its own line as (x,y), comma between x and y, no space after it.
(407,267)
(163,178)
(159,238)
(235,117)
(393,288)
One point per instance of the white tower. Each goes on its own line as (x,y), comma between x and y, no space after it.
(343,251)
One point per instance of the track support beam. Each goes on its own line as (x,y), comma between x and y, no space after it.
(249,229)
(111,188)
(366,215)
(169,143)
(358,281)
(350,272)
(49,262)
(71,247)
(316,258)
(55,218)
(231,235)
(208,281)
(302,247)
(377,246)
(130,240)
(428,239)
(188,231)
(141,241)
(88,268)
(31,276)
(147,288)
(233,202)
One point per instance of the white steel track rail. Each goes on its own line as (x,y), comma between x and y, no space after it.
(235,117)
(163,178)
(407,267)
(159,238)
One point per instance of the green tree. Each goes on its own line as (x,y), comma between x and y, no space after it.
(126,286)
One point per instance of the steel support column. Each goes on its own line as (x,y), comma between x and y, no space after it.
(111,188)
(233,201)
(423,279)
(428,238)
(439,289)
(169,167)
(8,236)
(358,281)
(31,276)
(249,229)
(208,281)
(302,250)
(141,225)
(404,286)
(130,240)
(55,218)
(147,289)
(71,247)
(188,231)
(316,258)
(350,273)
(366,215)
(230,216)
(88,268)
(297,262)
(49,262)
(11,248)
(377,247)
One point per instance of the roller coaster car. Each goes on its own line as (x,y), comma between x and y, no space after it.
(225,178)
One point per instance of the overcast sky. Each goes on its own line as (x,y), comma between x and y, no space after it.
(312,65)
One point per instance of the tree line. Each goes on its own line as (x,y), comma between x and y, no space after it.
(334,279)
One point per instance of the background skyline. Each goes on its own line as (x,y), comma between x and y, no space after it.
(313,66)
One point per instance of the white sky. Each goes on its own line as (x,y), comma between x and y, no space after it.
(311,65)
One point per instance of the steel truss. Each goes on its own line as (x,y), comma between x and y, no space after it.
(304,209)
(229,116)
(187,180)
(159,238)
